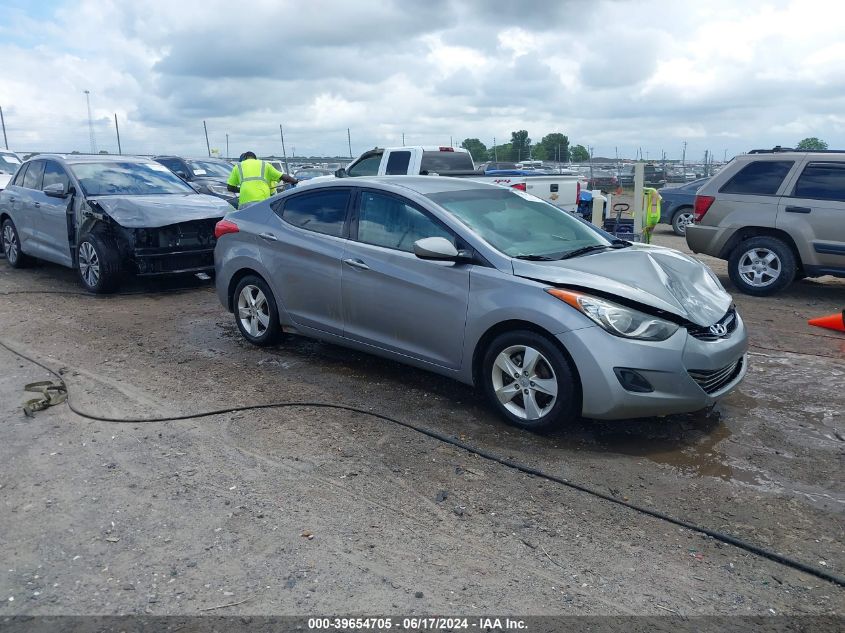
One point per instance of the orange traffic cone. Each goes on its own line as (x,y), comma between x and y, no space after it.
(832,322)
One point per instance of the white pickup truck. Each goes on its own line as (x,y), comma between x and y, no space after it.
(562,190)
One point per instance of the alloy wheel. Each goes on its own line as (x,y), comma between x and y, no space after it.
(253,311)
(760,267)
(10,244)
(89,264)
(524,382)
(683,221)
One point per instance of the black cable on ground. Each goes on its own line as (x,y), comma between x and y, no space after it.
(719,536)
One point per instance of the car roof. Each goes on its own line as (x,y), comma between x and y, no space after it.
(425,185)
(93,158)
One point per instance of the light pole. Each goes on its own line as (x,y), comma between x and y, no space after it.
(90,123)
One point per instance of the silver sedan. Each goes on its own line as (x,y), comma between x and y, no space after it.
(550,316)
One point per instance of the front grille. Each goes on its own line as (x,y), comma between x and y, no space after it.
(713,380)
(703,332)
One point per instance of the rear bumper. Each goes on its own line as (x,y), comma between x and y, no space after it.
(686,374)
(707,240)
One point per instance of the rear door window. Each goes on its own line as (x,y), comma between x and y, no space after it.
(18,181)
(367,166)
(319,211)
(759,178)
(397,163)
(32,178)
(54,173)
(822,181)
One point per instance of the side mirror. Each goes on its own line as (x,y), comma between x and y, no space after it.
(436,249)
(56,190)
(340,173)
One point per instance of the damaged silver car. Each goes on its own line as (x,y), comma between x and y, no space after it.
(550,316)
(106,217)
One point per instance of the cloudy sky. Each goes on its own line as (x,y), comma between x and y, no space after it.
(722,75)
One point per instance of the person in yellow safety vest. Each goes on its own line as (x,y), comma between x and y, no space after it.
(651,208)
(253,177)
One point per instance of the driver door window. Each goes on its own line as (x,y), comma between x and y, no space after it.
(53,174)
(388,221)
(367,166)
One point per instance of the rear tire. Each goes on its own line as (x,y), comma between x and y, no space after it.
(530,382)
(12,246)
(762,266)
(682,218)
(256,314)
(98,263)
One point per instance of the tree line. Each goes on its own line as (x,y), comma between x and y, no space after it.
(553,147)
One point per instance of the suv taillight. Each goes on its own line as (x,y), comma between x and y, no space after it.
(702,205)
(223,227)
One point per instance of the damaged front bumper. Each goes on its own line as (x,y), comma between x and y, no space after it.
(185,247)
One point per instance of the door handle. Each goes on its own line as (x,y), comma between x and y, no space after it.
(356,263)
(797,209)
(37,205)
(269,237)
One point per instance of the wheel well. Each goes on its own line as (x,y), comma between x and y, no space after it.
(681,208)
(235,280)
(4,217)
(747,232)
(510,326)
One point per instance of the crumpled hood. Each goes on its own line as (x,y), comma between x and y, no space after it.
(136,212)
(651,275)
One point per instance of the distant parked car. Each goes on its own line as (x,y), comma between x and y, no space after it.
(604,180)
(307,174)
(676,207)
(107,216)
(495,166)
(205,175)
(9,163)
(774,215)
(551,317)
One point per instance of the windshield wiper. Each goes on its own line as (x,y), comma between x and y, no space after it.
(586,249)
(536,258)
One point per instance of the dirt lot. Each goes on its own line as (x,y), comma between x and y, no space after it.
(174,518)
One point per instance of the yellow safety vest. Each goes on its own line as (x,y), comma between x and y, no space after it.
(253,177)
(651,208)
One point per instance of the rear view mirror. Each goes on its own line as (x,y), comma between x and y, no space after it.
(435,248)
(340,173)
(182,175)
(56,190)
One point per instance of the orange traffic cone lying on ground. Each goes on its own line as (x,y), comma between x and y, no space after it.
(832,322)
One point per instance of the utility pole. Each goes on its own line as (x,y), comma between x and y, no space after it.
(495,153)
(403,139)
(207,145)
(725,158)
(684,158)
(450,141)
(349,141)
(90,123)
(117,131)
(284,155)
(227,146)
(3,121)
(591,166)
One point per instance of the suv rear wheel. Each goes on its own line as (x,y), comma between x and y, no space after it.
(12,246)
(762,266)
(529,381)
(683,217)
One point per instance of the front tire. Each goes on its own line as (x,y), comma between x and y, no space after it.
(681,220)
(529,381)
(256,314)
(762,266)
(98,263)
(12,246)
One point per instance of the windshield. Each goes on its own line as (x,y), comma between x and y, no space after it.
(9,163)
(312,173)
(129,178)
(519,224)
(210,168)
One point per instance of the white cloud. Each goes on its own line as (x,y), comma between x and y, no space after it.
(721,75)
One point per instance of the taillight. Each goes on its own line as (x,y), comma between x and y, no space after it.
(702,205)
(223,227)
(520,185)
(447,149)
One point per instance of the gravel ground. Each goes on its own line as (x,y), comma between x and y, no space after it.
(311,511)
